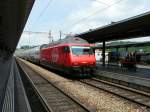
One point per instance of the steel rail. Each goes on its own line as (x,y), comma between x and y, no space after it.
(81,104)
(121,91)
(44,103)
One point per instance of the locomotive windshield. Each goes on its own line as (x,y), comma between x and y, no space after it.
(81,50)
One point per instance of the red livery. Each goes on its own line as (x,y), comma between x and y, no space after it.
(71,55)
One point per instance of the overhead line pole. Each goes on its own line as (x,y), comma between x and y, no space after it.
(60,34)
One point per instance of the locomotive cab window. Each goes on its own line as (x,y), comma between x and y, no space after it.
(81,50)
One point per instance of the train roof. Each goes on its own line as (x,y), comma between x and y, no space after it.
(69,44)
(35,49)
(68,41)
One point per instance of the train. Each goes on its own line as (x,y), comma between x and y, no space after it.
(72,55)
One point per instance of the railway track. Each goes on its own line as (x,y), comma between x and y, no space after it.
(138,83)
(53,97)
(133,95)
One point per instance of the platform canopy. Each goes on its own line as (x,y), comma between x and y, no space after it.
(133,27)
(125,45)
(13,16)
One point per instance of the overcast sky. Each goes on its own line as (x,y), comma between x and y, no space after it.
(76,16)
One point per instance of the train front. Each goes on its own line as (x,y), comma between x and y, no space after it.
(83,59)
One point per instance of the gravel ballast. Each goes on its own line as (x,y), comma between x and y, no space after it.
(101,100)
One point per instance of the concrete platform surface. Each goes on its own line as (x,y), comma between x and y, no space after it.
(12,94)
(140,77)
(142,71)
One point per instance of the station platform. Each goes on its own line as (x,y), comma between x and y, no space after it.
(139,79)
(142,71)
(12,94)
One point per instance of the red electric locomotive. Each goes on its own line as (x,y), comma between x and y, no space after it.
(72,55)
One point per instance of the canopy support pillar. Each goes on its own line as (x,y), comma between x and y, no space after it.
(103,53)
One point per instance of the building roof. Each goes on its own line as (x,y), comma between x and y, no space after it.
(13,17)
(122,45)
(136,26)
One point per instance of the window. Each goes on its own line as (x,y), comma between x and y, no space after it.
(81,50)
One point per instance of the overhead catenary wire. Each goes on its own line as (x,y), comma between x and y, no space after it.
(36,19)
(32,40)
(98,11)
(35,32)
(42,12)
(101,2)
